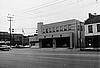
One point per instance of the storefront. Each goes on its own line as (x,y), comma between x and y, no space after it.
(92,41)
(60,42)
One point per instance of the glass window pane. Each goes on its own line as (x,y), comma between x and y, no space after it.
(90,29)
(98,27)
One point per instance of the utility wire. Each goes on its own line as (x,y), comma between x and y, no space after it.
(39,7)
(70,4)
(90,3)
(45,6)
(72,9)
(45,10)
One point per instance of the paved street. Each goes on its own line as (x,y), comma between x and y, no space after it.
(48,58)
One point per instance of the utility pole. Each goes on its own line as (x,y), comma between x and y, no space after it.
(10,20)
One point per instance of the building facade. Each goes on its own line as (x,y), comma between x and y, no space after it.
(20,39)
(64,34)
(92,31)
(34,41)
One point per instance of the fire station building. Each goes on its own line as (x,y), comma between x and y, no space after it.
(64,34)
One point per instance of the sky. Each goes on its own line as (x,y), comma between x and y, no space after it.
(27,13)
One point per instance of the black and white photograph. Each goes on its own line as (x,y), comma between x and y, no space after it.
(49,33)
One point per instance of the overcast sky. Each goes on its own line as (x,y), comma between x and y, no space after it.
(27,13)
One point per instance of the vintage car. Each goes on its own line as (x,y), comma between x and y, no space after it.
(5,48)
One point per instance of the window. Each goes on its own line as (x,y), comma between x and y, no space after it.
(52,36)
(80,28)
(90,29)
(53,29)
(69,26)
(43,31)
(57,29)
(46,30)
(65,28)
(60,35)
(44,36)
(49,30)
(98,27)
(61,28)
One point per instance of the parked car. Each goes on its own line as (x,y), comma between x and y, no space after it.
(5,47)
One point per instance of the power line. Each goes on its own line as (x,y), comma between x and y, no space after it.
(44,6)
(90,3)
(55,13)
(70,4)
(37,7)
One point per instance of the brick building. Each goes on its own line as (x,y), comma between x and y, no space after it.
(64,34)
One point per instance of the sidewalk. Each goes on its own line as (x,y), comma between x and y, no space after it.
(59,49)
(66,50)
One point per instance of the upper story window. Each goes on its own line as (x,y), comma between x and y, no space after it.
(69,26)
(57,29)
(98,27)
(46,30)
(50,30)
(65,27)
(80,28)
(53,29)
(61,28)
(90,29)
(43,31)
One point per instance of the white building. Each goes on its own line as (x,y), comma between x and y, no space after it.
(92,31)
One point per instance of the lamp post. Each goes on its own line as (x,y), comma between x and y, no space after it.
(10,20)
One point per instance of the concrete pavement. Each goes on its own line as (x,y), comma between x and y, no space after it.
(48,58)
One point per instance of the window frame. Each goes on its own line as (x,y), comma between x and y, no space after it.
(90,29)
(98,28)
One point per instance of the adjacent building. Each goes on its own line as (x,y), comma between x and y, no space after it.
(34,41)
(20,39)
(4,38)
(92,31)
(64,34)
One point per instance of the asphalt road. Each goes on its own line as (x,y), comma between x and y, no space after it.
(46,58)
